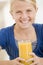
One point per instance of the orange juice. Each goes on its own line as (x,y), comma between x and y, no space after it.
(25,48)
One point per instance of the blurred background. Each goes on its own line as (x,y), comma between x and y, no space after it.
(6,19)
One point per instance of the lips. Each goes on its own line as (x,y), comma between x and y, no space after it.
(24,22)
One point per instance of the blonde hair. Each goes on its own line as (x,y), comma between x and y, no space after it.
(31,1)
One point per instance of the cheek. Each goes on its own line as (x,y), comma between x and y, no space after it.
(17,17)
(32,15)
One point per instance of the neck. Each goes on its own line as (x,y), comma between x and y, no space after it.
(25,30)
(25,34)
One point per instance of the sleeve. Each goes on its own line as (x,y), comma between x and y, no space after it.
(41,44)
(39,50)
(2,38)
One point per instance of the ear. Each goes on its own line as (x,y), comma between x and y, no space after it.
(11,13)
(36,9)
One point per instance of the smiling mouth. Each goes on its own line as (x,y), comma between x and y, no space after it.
(24,22)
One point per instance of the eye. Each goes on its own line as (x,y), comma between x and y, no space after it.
(19,12)
(29,10)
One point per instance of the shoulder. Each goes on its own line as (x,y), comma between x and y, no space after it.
(6,30)
(4,35)
(38,30)
(38,27)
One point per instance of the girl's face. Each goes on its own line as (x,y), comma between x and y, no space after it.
(24,13)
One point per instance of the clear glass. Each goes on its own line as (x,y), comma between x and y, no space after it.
(25,47)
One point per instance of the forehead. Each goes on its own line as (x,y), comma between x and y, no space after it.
(19,5)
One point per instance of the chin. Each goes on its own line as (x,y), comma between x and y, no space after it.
(24,27)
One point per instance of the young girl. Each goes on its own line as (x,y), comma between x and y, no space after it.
(23,12)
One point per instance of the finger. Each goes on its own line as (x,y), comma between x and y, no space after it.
(31,59)
(20,59)
(18,63)
(32,54)
(35,63)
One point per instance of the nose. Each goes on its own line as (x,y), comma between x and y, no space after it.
(24,16)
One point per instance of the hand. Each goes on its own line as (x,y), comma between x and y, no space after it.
(35,59)
(17,61)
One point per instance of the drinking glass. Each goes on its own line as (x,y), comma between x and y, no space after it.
(25,47)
